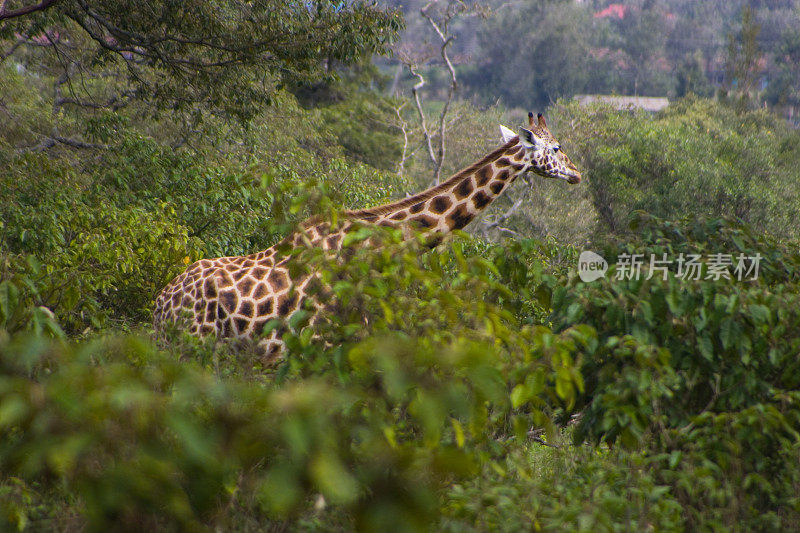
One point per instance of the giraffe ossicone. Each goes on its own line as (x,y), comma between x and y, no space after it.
(236,296)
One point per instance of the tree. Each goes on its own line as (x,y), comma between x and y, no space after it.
(534,64)
(741,63)
(784,90)
(690,77)
(222,55)
(440,16)
(642,40)
(8,13)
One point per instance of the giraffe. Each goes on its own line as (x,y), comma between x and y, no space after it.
(237,296)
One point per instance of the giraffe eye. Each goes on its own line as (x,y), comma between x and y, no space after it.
(556,148)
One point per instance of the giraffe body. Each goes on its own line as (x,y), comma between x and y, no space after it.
(237,296)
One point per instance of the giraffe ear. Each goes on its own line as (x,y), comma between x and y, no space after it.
(506,133)
(528,139)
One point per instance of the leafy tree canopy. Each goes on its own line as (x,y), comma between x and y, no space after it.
(223,55)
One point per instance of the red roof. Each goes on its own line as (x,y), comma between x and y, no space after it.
(614,10)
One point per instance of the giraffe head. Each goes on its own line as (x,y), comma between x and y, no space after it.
(543,154)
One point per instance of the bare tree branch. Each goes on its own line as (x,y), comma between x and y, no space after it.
(114,103)
(41,6)
(425,133)
(496,222)
(453,10)
(51,141)
(536,436)
(54,138)
(75,143)
(404,128)
(439,21)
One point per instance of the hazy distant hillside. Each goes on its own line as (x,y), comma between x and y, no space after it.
(531,53)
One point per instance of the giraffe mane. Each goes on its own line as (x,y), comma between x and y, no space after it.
(433,191)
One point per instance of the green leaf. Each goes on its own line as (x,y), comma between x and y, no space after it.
(279,492)
(333,479)
(759,313)
(519,395)
(9,299)
(705,346)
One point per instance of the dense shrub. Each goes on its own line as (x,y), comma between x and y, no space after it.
(704,371)
(555,489)
(377,423)
(96,260)
(112,234)
(697,156)
(22,299)
(475,386)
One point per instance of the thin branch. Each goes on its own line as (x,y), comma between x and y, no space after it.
(451,91)
(19,42)
(78,144)
(415,91)
(505,216)
(441,31)
(496,223)
(404,128)
(51,141)
(149,46)
(41,6)
(114,103)
(454,8)
(543,442)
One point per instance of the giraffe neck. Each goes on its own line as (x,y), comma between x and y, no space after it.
(453,203)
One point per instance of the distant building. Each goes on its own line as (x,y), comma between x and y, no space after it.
(646,103)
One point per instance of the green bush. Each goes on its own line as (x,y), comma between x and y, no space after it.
(558,488)
(109,242)
(441,388)
(377,419)
(703,371)
(96,260)
(697,157)
(738,468)
(22,301)
(730,343)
